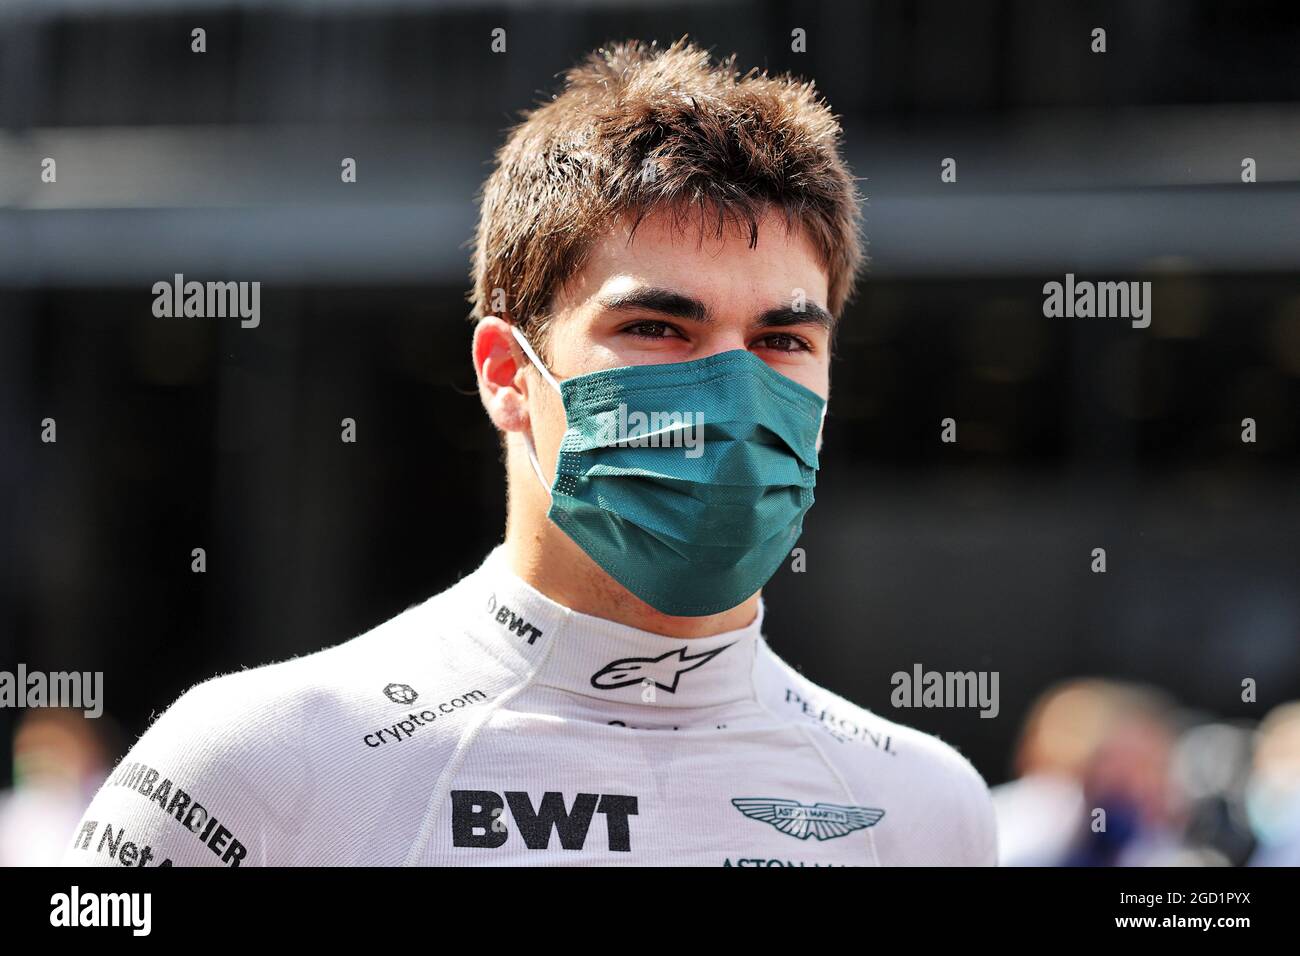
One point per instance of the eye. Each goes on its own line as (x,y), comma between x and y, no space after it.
(784,342)
(651,329)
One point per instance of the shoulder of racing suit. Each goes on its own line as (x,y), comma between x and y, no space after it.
(268,766)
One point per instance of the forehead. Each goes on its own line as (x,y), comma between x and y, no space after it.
(686,251)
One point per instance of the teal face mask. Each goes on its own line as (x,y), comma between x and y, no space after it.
(688,482)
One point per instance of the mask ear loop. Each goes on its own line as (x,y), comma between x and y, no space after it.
(532,357)
(537,465)
(528,437)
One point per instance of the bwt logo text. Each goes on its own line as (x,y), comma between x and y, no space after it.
(211,300)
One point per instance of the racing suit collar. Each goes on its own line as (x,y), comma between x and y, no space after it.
(599,658)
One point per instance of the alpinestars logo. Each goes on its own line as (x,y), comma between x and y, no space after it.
(400,693)
(825,821)
(664,671)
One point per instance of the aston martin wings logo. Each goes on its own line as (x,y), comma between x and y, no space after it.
(825,821)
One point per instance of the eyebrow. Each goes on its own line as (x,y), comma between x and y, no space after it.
(663,301)
(679,306)
(810,314)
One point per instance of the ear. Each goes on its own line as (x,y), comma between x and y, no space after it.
(499,366)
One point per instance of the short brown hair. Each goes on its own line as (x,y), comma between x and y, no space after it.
(639,128)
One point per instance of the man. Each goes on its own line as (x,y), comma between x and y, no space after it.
(663,251)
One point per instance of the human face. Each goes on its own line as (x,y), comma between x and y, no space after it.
(655,296)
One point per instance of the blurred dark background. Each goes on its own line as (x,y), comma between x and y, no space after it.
(1073,433)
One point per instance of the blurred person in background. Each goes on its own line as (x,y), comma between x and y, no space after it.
(60,760)
(1211,765)
(1273,791)
(1038,811)
(1134,815)
(1089,745)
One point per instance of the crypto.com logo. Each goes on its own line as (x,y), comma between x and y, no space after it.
(400,693)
